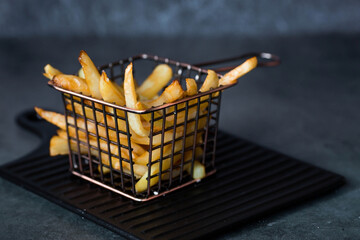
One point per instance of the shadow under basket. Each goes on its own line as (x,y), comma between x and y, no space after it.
(181,143)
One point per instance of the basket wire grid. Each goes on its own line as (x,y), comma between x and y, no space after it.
(190,136)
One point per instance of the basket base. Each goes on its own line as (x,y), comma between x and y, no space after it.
(141,199)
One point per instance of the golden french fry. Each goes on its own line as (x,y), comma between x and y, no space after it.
(56,119)
(110,92)
(59,146)
(103,144)
(158,79)
(155,154)
(59,120)
(139,170)
(72,83)
(211,81)
(106,170)
(232,76)
(142,184)
(171,93)
(50,71)
(89,113)
(199,170)
(157,126)
(131,100)
(92,75)
(81,73)
(144,158)
(191,87)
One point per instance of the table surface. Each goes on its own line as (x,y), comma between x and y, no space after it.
(307,108)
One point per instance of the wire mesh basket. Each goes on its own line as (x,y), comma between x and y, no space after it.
(102,146)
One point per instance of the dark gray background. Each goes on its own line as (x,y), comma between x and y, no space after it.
(307,108)
(64,18)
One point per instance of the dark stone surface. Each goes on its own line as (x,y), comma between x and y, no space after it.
(307,108)
(177,18)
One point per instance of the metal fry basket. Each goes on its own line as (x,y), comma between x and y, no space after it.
(104,149)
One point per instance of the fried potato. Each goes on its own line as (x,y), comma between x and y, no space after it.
(191,87)
(81,73)
(59,120)
(156,81)
(110,92)
(142,184)
(157,126)
(89,113)
(102,144)
(139,170)
(171,93)
(232,76)
(198,172)
(50,71)
(131,101)
(92,75)
(155,154)
(211,81)
(72,83)
(59,146)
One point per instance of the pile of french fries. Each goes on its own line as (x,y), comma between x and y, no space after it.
(91,83)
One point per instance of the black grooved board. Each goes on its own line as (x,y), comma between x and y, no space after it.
(251,182)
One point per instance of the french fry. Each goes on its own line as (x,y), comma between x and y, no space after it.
(171,93)
(72,83)
(137,169)
(59,146)
(211,81)
(147,118)
(131,100)
(81,73)
(59,121)
(157,80)
(144,158)
(198,172)
(155,154)
(103,144)
(110,92)
(89,113)
(232,76)
(142,184)
(191,87)
(50,71)
(56,119)
(92,75)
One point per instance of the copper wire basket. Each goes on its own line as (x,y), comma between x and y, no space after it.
(119,151)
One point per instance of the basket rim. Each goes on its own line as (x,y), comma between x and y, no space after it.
(152,109)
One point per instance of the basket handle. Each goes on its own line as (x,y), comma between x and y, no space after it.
(265,60)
